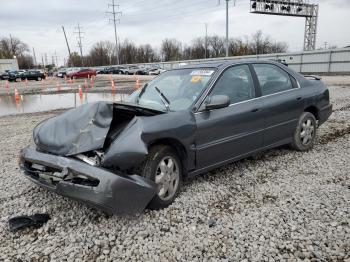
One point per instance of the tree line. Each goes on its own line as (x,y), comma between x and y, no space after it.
(103,53)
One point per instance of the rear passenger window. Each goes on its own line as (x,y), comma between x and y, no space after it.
(272,79)
(237,83)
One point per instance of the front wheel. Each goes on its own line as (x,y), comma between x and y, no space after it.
(305,133)
(163,167)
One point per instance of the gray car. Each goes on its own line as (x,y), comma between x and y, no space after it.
(122,157)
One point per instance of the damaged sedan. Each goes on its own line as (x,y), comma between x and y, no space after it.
(124,157)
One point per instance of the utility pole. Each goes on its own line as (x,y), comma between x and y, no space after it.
(80,45)
(56,60)
(34,56)
(65,36)
(206,40)
(115,20)
(226,42)
(227,27)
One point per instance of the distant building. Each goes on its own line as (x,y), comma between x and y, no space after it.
(8,64)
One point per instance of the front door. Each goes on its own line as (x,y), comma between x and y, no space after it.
(232,132)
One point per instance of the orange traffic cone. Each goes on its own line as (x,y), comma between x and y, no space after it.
(113,85)
(17,97)
(92,80)
(137,84)
(58,86)
(80,91)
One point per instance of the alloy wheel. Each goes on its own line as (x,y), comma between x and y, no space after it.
(307,132)
(167,177)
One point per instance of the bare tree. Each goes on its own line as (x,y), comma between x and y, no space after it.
(198,48)
(10,47)
(216,46)
(100,53)
(25,61)
(171,50)
(74,59)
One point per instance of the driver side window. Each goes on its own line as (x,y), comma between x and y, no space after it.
(236,83)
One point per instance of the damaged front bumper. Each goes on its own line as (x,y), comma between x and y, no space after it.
(113,193)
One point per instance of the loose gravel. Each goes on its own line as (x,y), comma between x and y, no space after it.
(281,205)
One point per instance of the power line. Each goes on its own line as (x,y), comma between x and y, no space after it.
(79,37)
(114,19)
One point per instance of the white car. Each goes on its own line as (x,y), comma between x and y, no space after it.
(156,71)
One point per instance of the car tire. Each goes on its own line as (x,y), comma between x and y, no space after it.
(39,79)
(305,133)
(169,178)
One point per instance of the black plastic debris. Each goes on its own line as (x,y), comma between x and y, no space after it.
(212,222)
(22,222)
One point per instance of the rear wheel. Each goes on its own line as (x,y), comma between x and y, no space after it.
(305,133)
(163,167)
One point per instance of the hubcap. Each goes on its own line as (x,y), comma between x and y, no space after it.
(307,132)
(167,177)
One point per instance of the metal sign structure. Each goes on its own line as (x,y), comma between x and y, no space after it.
(298,8)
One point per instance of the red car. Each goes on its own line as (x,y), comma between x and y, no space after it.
(83,73)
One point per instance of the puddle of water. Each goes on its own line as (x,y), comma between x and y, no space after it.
(9,105)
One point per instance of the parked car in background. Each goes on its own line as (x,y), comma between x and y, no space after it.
(132,70)
(116,70)
(62,72)
(156,71)
(183,123)
(4,75)
(82,73)
(17,76)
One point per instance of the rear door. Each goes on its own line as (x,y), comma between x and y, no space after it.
(282,103)
(228,133)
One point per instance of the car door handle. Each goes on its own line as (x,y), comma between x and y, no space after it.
(299,98)
(255,110)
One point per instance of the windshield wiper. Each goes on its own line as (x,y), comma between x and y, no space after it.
(165,100)
(141,93)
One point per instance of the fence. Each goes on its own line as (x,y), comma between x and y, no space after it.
(8,64)
(332,61)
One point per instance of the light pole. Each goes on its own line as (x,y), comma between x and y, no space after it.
(227,27)
(206,40)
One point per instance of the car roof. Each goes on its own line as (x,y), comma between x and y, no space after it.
(225,63)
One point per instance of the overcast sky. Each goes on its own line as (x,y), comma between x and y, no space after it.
(38,22)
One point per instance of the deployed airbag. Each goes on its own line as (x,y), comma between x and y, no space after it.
(76,131)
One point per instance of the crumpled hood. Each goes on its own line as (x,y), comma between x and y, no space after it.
(76,131)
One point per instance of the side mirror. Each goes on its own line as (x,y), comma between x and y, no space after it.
(217,102)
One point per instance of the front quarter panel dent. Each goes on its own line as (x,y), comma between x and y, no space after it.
(131,147)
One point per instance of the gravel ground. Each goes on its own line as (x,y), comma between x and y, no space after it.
(283,205)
